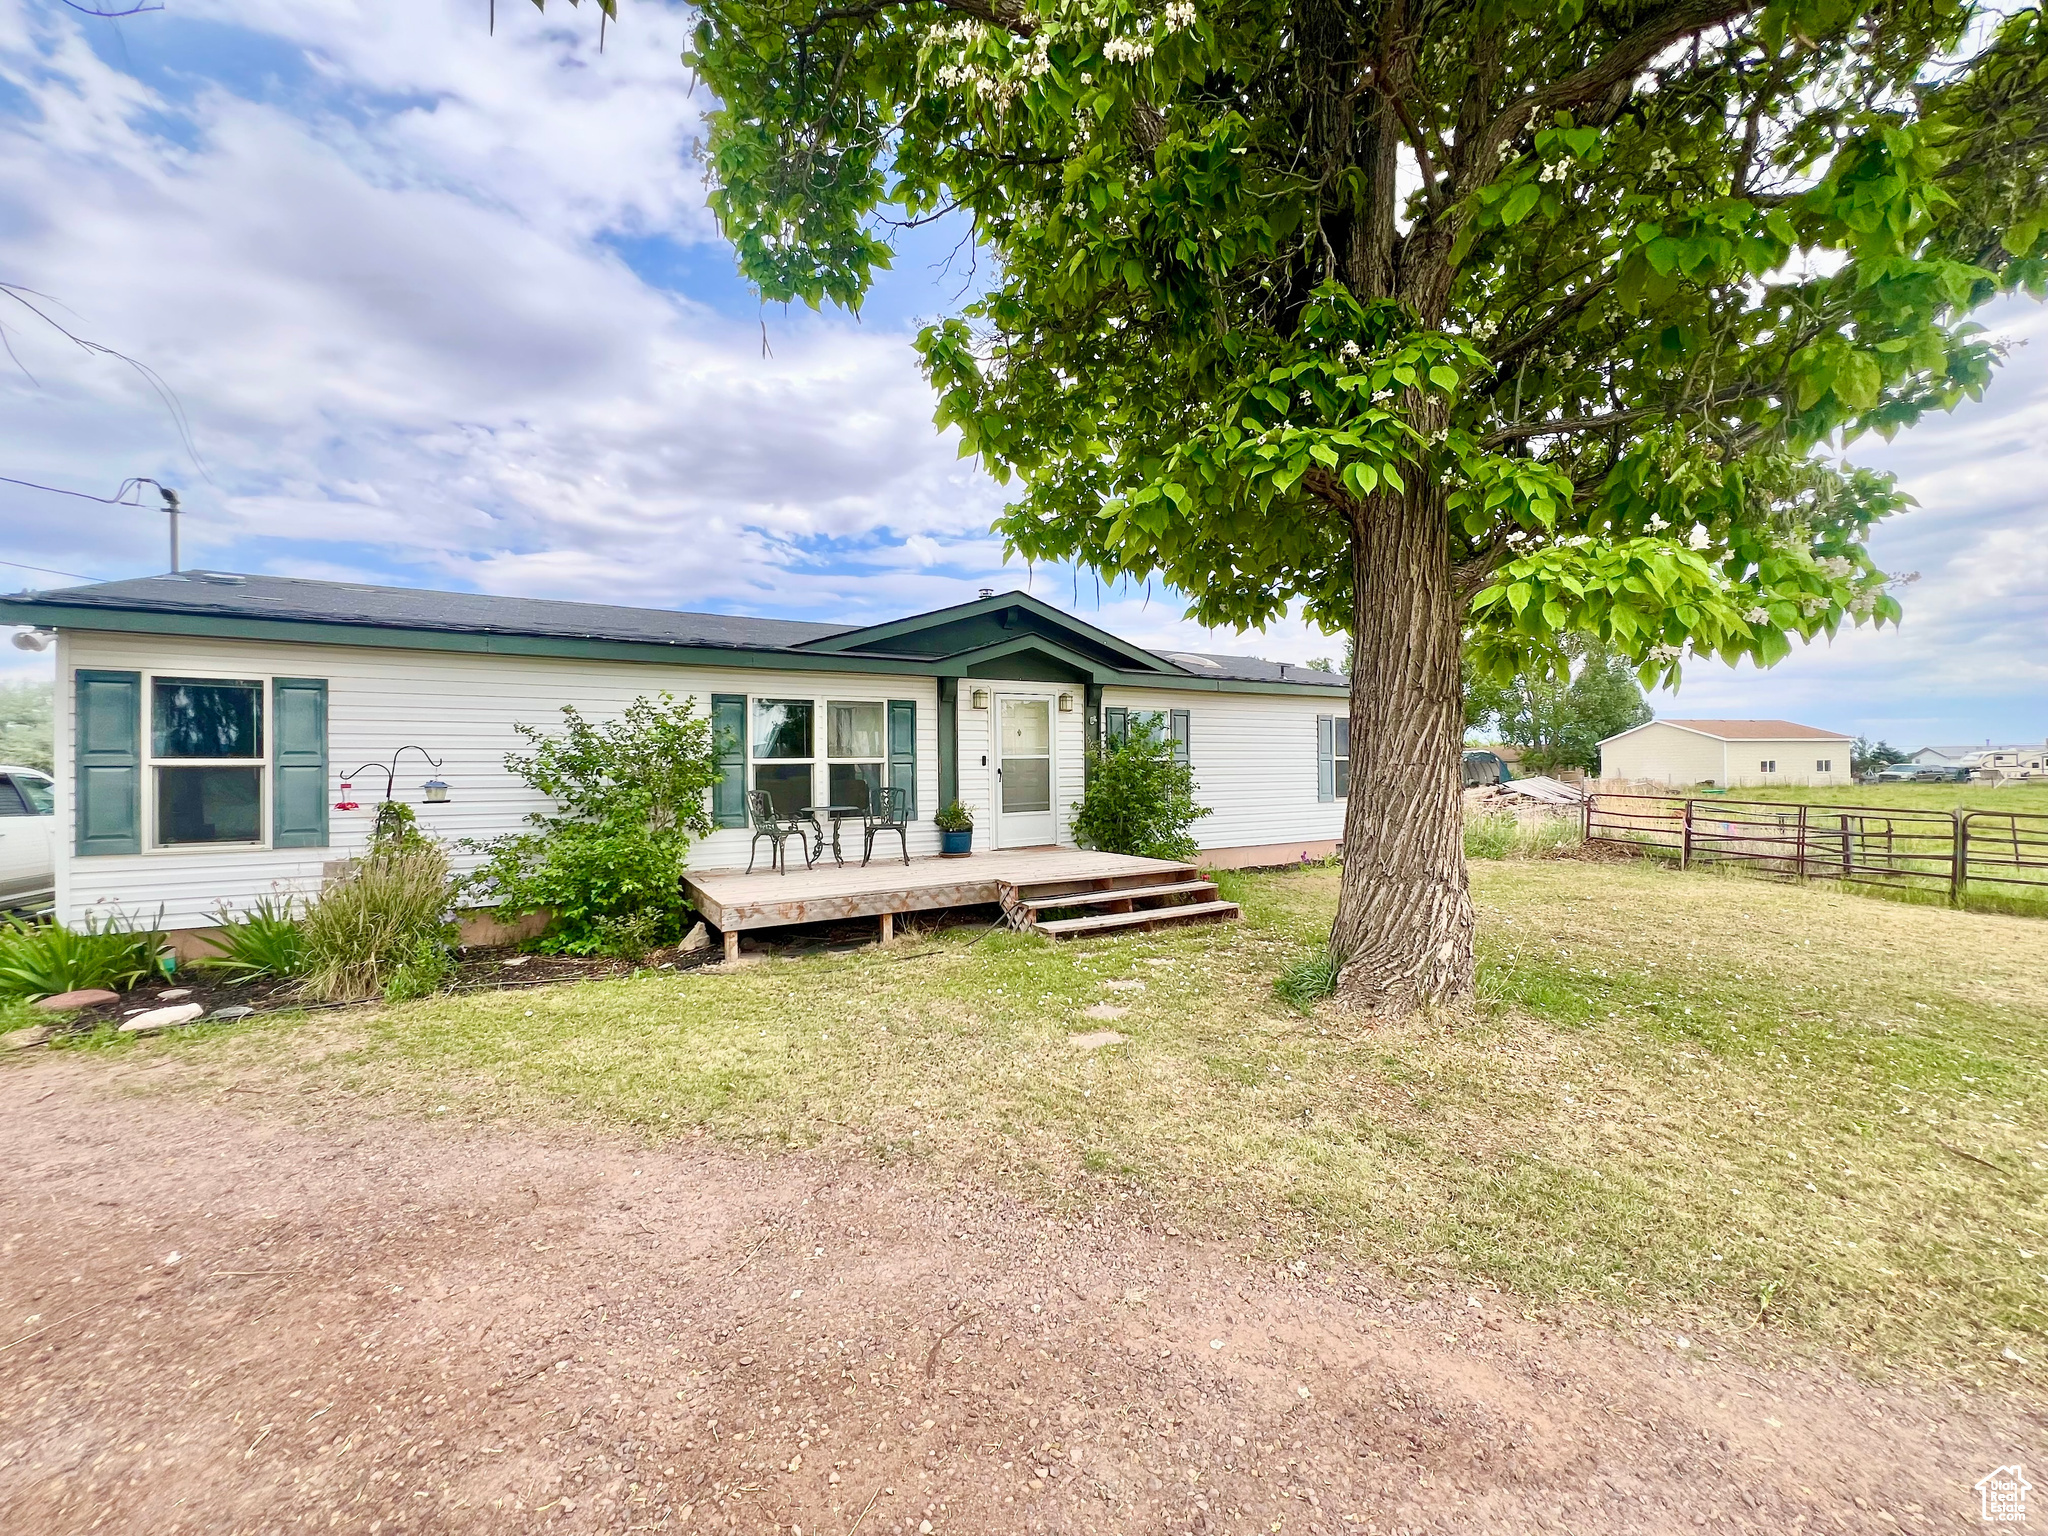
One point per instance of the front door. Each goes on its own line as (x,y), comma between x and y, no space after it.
(1024,776)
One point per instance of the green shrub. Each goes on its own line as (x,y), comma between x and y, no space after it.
(265,940)
(1307,981)
(375,919)
(1139,800)
(44,959)
(608,867)
(420,974)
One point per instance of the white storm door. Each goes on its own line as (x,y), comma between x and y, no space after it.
(1024,772)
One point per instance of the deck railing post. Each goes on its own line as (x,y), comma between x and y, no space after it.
(1685,839)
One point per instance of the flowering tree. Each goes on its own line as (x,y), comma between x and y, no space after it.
(1528,316)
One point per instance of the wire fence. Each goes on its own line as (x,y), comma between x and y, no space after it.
(2002,852)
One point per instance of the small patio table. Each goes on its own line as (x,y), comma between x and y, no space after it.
(837,813)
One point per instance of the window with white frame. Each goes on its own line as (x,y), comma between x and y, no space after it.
(206,760)
(856,751)
(785,743)
(1824,765)
(1768,765)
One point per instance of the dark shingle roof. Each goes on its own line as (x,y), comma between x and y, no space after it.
(216,594)
(1250,669)
(336,602)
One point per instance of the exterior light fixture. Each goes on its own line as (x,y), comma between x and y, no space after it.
(1066,703)
(437,791)
(979,698)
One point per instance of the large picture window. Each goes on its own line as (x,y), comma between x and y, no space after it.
(856,752)
(784,752)
(206,756)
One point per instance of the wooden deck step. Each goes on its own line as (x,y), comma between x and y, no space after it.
(1125,893)
(1106,922)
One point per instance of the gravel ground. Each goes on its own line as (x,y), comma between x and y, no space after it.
(223,1318)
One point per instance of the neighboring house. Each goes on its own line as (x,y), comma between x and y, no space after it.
(206,723)
(1730,754)
(1942,757)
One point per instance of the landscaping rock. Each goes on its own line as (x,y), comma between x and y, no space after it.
(698,937)
(236,1012)
(88,997)
(162,1018)
(1095,1039)
(22,1039)
(172,994)
(1103,1011)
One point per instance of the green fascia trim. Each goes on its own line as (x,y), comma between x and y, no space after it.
(1222,685)
(46,614)
(861,639)
(57,616)
(957,665)
(949,741)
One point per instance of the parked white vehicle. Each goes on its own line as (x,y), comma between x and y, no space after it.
(28,837)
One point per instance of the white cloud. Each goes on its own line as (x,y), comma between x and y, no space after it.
(398,329)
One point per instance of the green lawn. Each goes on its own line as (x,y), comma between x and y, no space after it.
(1751,1106)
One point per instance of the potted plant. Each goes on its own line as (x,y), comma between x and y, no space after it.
(956,831)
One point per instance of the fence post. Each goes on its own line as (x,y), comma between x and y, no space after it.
(1585,818)
(1685,839)
(1848,848)
(1802,844)
(1959,857)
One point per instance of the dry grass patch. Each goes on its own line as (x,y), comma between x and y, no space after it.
(1749,1104)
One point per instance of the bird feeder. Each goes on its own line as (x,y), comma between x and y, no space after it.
(436,791)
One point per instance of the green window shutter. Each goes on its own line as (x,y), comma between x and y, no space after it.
(729,732)
(108,813)
(903,751)
(1326,757)
(1114,723)
(1182,734)
(298,732)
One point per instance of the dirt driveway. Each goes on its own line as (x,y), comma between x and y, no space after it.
(221,1319)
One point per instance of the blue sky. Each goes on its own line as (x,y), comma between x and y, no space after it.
(446,309)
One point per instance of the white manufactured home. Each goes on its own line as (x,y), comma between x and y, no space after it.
(208,723)
(1730,754)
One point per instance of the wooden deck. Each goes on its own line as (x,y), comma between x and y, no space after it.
(735,903)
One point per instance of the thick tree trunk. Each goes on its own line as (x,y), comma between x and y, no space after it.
(1404,919)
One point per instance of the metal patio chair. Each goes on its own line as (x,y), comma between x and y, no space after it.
(778,830)
(888,811)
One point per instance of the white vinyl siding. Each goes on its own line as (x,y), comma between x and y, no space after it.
(460,707)
(1254,759)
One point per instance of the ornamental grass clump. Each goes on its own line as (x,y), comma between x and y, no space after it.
(266,940)
(45,959)
(379,919)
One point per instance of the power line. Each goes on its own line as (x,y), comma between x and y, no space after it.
(50,570)
(118,499)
